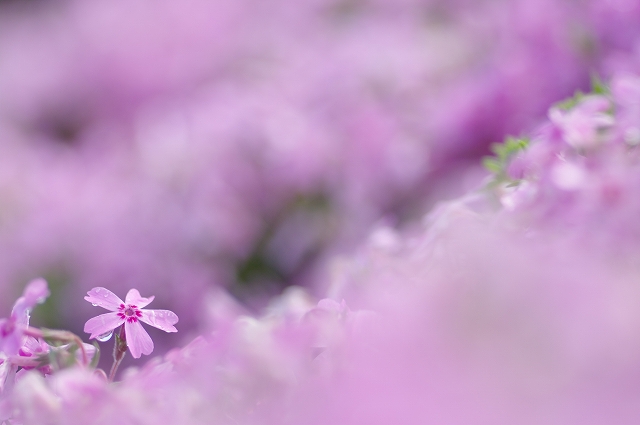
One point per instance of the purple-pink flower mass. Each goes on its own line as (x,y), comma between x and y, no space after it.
(369,212)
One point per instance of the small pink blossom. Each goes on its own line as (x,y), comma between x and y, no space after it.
(129,313)
(581,126)
(34,354)
(11,329)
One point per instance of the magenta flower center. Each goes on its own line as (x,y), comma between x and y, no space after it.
(129,312)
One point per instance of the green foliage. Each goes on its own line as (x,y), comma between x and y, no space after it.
(504,152)
(571,102)
(511,146)
(598,87)
(497,164)
(492,164)
(260,266)
(48,314)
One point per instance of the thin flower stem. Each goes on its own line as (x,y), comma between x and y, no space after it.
(62,336)
(33,332)
(114,368)
(119,350)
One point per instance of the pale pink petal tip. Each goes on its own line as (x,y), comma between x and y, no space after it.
(36,291)
(104,298)
(134,297)
(161,319)
(138,340)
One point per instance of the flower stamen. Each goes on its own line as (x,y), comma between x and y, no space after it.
(129,312)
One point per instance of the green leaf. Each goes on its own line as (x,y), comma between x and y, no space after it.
(598,86)
(492,164)
(504,152)
(570,103)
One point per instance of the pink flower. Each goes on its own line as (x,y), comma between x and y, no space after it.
(581,126)
(11,329)
(129,313)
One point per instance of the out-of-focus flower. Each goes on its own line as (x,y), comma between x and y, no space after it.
(11,336)
(129,312)
(37,354)
(582,125)
(230,166)
(146,151)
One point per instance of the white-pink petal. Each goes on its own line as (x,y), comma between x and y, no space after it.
(104,298)
(138,340)
(133,297)
(5,368)
(104,323)
(35,292)
(31,346)
(161,319)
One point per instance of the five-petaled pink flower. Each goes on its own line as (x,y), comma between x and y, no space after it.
(130,313)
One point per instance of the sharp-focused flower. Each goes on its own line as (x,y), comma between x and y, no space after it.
(129,313)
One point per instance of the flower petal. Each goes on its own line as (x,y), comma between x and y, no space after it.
(89,349)
(102,324)
(30,347)
(35,292)
(104,298)
(5,368)
(161,319)
(138,340)
(133,297)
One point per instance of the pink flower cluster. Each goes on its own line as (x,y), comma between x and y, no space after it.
(275,173)
(234,144)
(517,302)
